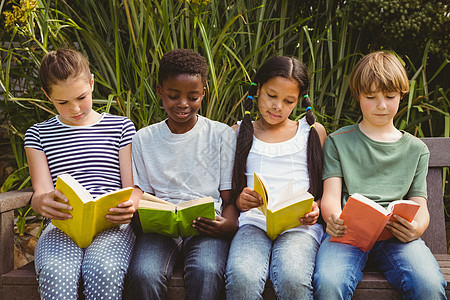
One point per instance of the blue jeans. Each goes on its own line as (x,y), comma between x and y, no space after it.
(410,267)
(154,258)
(289,260)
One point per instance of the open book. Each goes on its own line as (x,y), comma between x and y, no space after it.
(286,212)
(160,216)
(366,220)
(88,214)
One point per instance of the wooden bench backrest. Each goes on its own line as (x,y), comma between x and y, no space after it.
(435,235)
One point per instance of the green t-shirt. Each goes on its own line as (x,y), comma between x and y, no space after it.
(381,171)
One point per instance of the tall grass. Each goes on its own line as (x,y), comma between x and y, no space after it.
(125,40)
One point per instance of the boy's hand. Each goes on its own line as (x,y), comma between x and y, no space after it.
(335,226)
(248,199)
(404,231)
(311,217)
(220,227)
(122,213)
(49,205)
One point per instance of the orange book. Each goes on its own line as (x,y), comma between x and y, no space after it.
(366,220)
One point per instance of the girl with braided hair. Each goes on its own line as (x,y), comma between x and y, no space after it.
(283,151)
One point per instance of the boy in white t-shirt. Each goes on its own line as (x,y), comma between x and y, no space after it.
(181,158)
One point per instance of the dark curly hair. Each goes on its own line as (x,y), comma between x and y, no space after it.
(182,61)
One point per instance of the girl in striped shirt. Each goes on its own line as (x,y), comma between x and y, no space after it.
(96,150)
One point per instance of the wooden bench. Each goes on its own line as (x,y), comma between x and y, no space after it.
(22,284)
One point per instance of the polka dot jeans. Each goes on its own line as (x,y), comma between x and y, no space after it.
(102,266)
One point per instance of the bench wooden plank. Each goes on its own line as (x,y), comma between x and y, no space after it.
(439,151)
(23,281)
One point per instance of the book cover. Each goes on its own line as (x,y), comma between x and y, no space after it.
(285,213)
(160,216)
(88,214)
(366,220)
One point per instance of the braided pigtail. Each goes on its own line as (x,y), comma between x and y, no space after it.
(314,152)
(243,145)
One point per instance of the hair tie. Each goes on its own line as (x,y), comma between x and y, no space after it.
(254,83)
(308,108)
(250,97)
(306,96)
(247,112)
(313,125)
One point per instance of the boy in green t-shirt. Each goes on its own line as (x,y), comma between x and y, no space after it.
(375,159)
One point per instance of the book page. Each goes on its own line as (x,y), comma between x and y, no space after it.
(194,202)
(84,195)
(260,188)
(393,204)
(371,203)
(157,205)
(288,197)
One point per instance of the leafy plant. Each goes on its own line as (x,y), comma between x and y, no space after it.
(124,41)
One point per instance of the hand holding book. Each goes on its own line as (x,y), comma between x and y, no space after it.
(88,213)
(285,213)
(311,217)
(248,199)
(366,220)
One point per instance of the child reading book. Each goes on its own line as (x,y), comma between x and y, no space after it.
(95,149)
(284,152)
(378,161)
(184,157)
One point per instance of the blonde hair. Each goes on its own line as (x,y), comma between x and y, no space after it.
(378,72)
(63,64)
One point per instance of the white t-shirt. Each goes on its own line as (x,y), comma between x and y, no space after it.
(180,167)
(279,164)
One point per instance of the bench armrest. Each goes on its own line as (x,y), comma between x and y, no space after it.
(10,201)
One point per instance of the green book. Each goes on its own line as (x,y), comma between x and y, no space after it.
(160,216)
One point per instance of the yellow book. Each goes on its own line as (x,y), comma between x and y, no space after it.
(284,214)
(88,214)
(160,216)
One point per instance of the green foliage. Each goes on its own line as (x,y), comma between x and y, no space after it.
(124,41)
(402,25)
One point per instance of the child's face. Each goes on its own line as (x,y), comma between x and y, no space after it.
(277,98)
(72,99)
(182,97)
(379,108)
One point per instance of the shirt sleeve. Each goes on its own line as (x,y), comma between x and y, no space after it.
(227,149)
(331,163)
(128,131)
(32,138)
(139,172)
(419,185)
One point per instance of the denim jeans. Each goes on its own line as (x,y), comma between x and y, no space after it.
(289,260)
(154,258)
(410,267)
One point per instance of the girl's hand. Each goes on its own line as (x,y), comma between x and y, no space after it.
(311,217)
(123,213)
(49,206)
(404,231)
(219,227)
(248,199)
(335,226)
